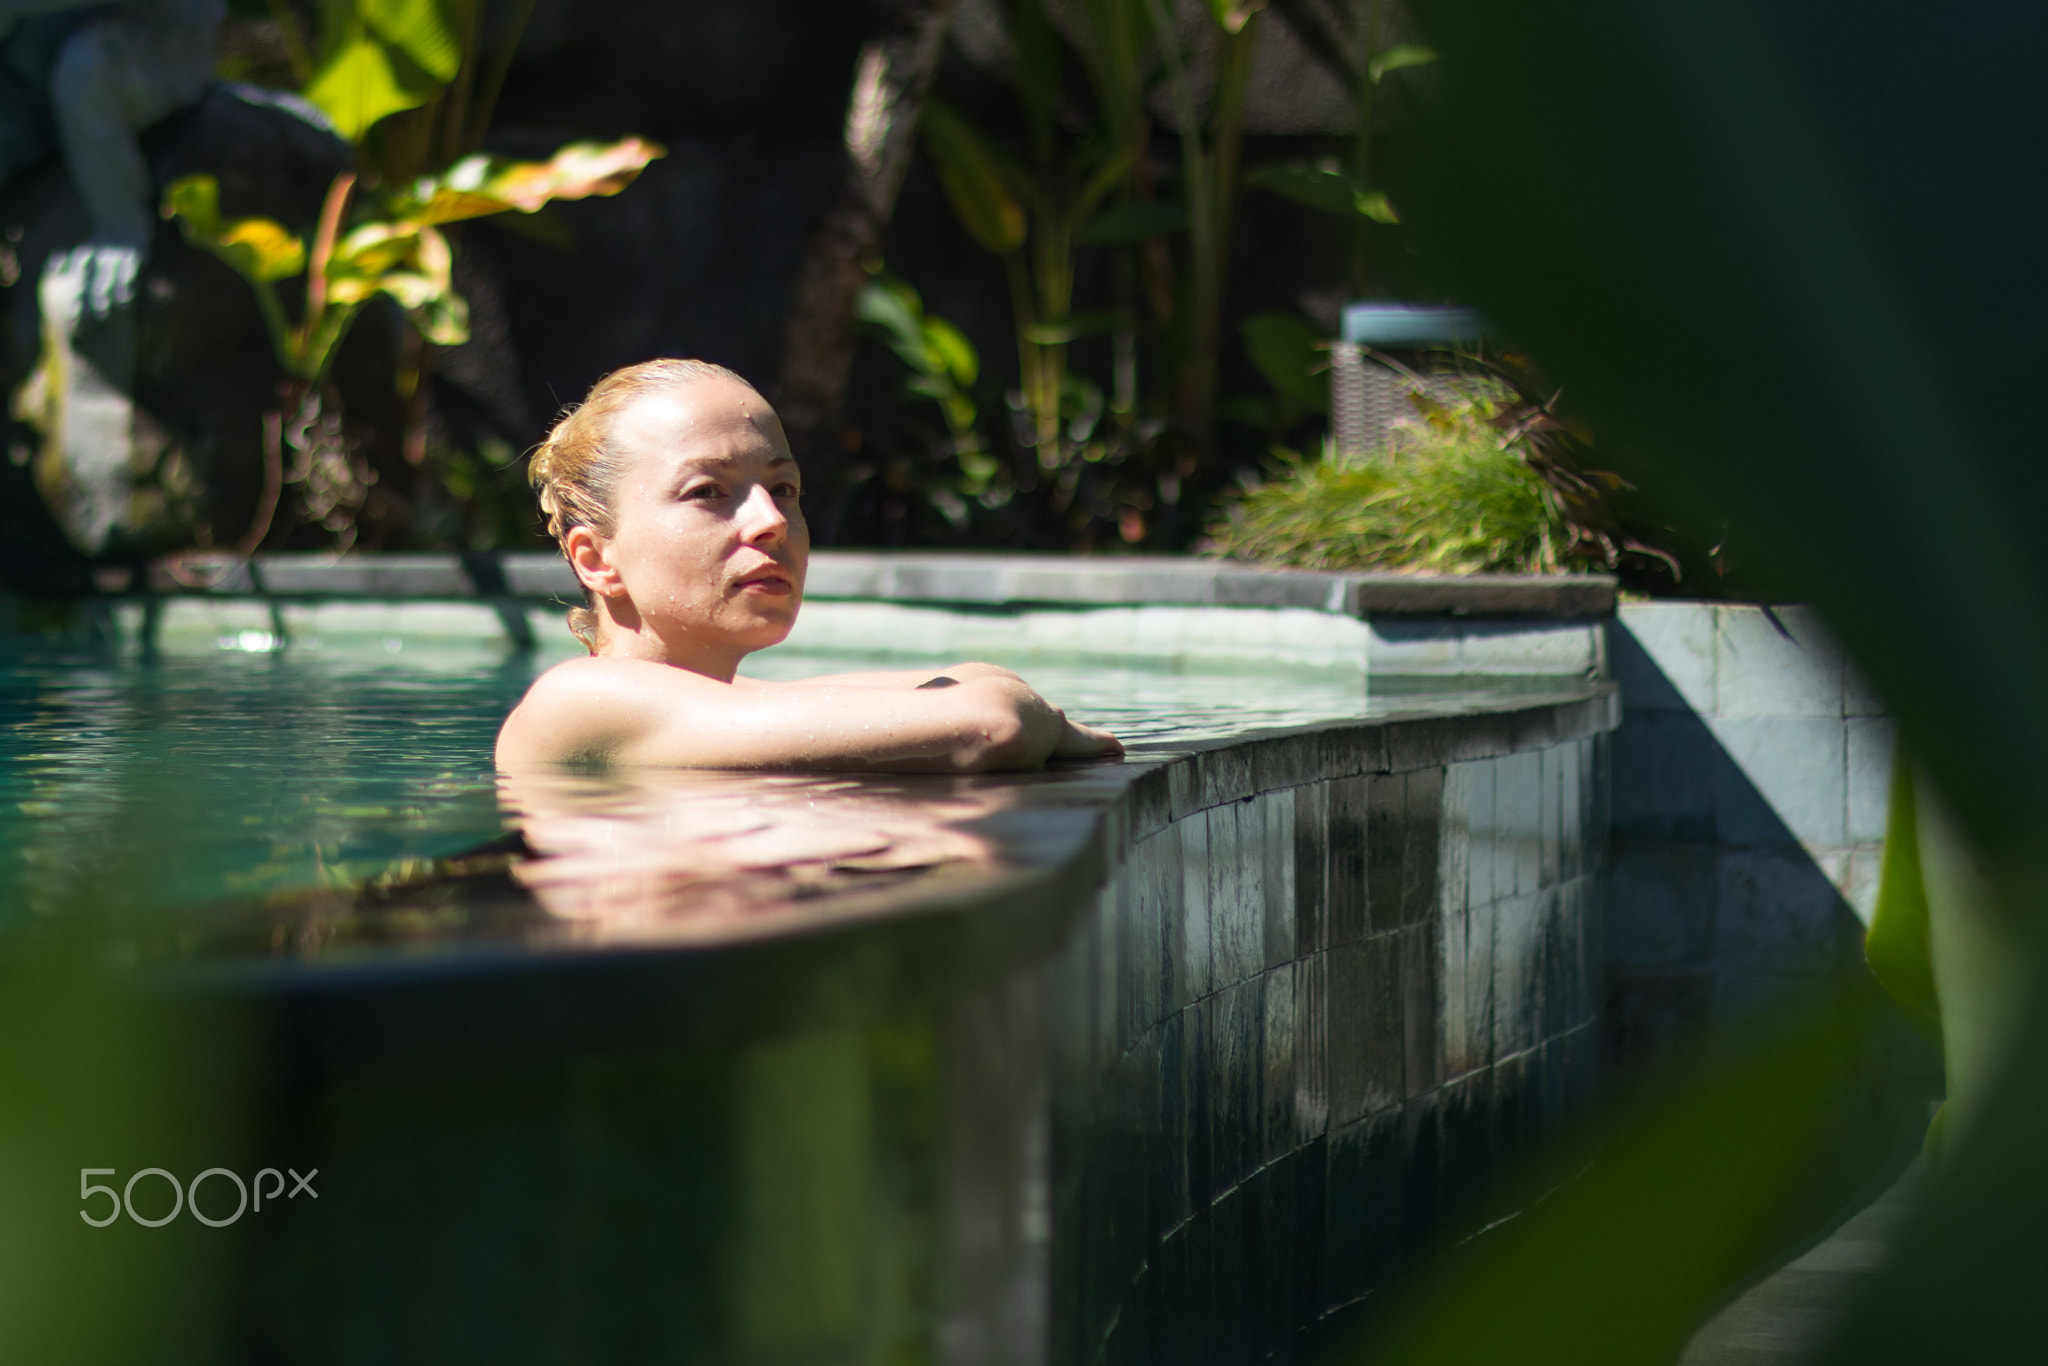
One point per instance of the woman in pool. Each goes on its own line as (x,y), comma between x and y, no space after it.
(673,495)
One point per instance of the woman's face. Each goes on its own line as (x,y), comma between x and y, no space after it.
(708,541)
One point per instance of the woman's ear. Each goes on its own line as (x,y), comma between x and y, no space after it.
(590,556)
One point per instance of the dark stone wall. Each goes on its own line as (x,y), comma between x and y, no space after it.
(1312,1033)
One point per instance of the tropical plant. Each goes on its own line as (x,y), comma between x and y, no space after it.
(943,368)
(1453,493)
(1007,209)
(1349,188)
(1210,150)
(409,83)
(1088,185)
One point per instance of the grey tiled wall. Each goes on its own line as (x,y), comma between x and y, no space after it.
(1305,1026)
(1751,775)
(1329,985)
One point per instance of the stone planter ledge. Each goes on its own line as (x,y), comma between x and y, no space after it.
(954,579)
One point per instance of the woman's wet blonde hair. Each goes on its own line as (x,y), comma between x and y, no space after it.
(576,470)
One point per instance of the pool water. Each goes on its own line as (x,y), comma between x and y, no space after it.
(134,784)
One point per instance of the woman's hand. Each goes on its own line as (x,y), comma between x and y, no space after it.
(1039,731)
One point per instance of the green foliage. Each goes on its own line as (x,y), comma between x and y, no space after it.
(1350,192)
(1033,219)
(480,185)
(1625,1241)
(1289,354)
(381,57)
(943,367)
(1325,187)
(95,1075)
(259,249)
(1896,946)
(395,246)
(409,261)
(1082,183)
(1451,495)
(411,83)
(1398,58)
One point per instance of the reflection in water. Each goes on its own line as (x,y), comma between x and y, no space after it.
(143,786)
(627,854)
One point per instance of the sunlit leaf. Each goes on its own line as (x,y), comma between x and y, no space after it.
(942,362)
(262,249)
(417,28)
(479,185)
(1399,59)
(1058,331)
(196,200)
(257,248)
(363,257)
(894,307)
(439,203)
(411,263)
(1232,15)
(360,84)
(1373,204)
(953,351)
(1129,223)
(974,177)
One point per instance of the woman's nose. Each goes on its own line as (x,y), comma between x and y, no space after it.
(761,517)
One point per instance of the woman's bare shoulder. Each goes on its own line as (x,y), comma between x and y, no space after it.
(588,708)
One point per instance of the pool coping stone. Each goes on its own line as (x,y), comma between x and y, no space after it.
(958,579)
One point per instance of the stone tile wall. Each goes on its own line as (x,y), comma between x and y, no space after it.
(1306,1026)
(1751,777)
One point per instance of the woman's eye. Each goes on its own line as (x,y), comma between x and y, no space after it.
(788,491)
(702,491)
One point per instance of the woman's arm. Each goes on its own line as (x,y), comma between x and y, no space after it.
(907,678)
(637,712)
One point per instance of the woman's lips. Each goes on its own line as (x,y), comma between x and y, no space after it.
(772,582)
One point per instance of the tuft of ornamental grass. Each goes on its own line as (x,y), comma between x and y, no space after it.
(1452,494)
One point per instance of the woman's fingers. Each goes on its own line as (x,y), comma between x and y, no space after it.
(1086,742)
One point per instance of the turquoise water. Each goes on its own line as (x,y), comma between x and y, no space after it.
(130,784)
